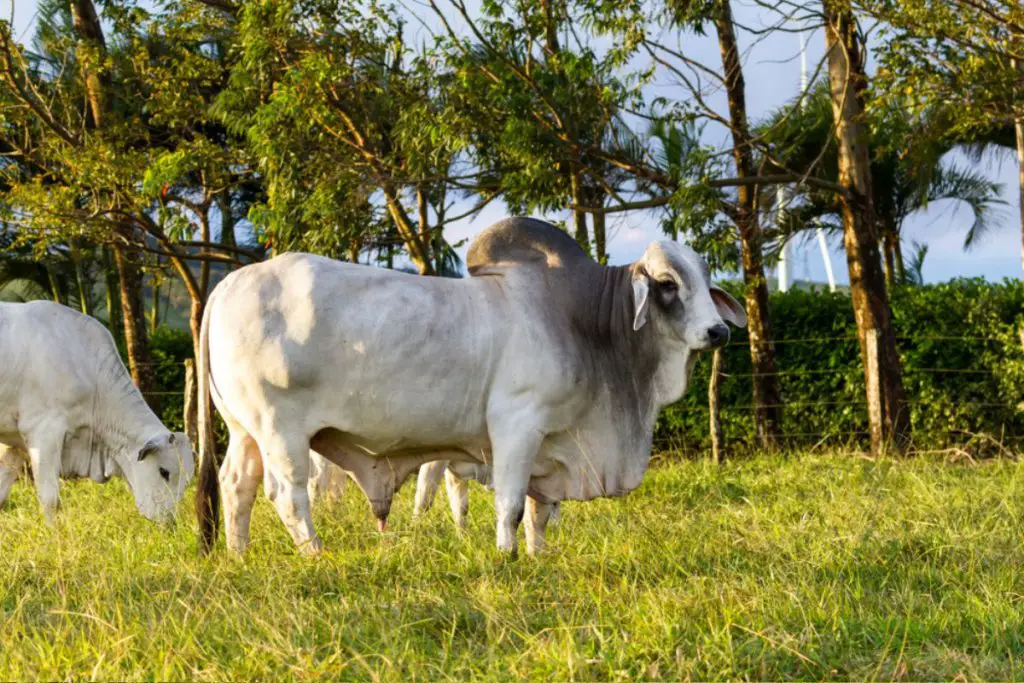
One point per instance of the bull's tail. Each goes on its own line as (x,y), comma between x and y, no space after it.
(207,489)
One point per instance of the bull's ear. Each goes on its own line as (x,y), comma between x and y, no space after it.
(641,292)
(152,446)
(728,308)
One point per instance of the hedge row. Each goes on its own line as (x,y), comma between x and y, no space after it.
(962,356)
(960,344)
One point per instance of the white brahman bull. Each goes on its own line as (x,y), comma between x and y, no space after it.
(70,410)
(543,364)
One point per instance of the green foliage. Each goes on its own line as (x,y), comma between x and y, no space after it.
(962,358)
(953,59)
(807,568)
(170,349)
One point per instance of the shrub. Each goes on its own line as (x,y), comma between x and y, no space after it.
(962,357)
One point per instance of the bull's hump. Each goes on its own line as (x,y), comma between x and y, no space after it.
(523,241)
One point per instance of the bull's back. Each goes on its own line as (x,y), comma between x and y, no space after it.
(368,351)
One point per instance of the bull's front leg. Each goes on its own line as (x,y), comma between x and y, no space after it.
(514,443)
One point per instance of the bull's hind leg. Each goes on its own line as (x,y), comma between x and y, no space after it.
(240,476)
(286,476)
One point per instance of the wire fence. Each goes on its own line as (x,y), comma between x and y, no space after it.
(954,396)
(966,389)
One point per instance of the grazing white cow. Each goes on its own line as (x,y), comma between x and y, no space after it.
(545,365)
(457,476)
(70,410)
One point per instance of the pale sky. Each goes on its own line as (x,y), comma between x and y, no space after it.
(772,71)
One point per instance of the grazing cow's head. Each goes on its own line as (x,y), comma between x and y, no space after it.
(672,288)
(163,467)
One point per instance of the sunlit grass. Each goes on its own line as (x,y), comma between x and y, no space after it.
(806,567)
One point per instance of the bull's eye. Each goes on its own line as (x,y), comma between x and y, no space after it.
(668,287)
(165,474)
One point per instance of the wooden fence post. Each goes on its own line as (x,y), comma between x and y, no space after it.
(874,388)
(191,403)
(717,439)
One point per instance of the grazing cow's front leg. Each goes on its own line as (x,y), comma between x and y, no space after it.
(285,479)
(45,444)
(514,444)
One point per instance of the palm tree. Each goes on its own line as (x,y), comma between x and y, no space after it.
(907,167)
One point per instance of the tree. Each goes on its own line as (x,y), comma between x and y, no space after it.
(347,122)
(907,168)
(888,416)
(962,60)
(99,127)
(540,103)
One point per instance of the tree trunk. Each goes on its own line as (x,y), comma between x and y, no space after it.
(195,322)
(84,291)
(54,285)
(594,196)
(579,216)
(1018,125)
(889,246)
(227,220)
(767,397)
(888,417)
(897,249)
(113,285)
(154,312)
(191,413)
(419,253)
(140,361)
(90,32)
(717,438)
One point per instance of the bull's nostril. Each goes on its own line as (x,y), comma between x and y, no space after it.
(718,335)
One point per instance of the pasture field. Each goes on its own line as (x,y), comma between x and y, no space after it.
(807,567)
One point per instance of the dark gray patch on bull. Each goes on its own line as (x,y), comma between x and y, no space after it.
(588,308)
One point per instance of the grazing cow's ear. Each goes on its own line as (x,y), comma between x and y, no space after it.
(641,289)
(728,308)
(151,447)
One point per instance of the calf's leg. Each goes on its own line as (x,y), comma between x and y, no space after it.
(11,464)
(427,482)
(458,497)
(537,516)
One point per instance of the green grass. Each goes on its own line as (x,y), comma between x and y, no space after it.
(810,567)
